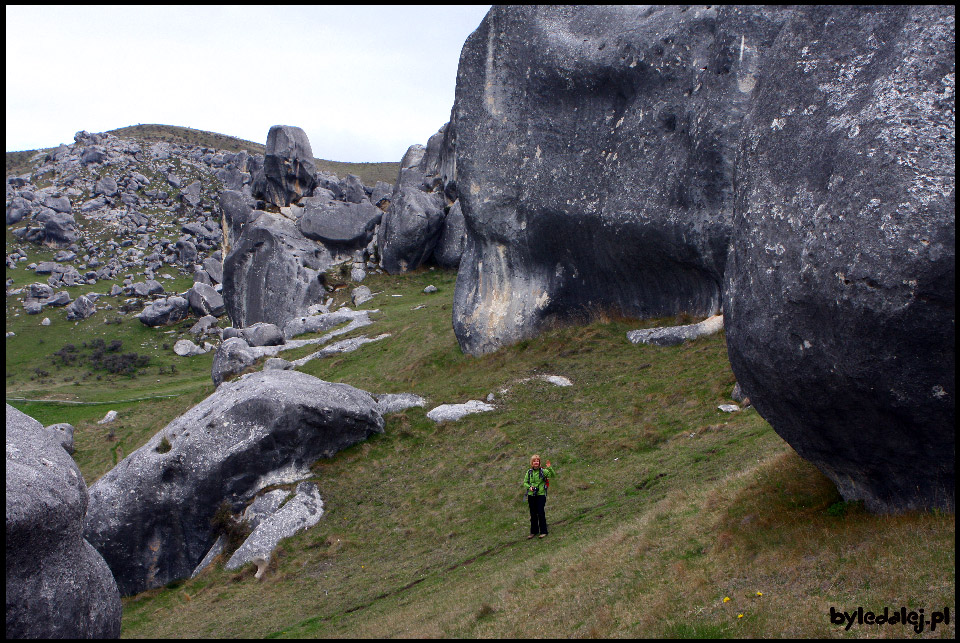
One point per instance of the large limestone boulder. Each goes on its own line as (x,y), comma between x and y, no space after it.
(289,172)
(839,299)
(233,356)
(452,239)
(165,311)
(272,272)
(150,515)
(413,223)
(59,228)
(237,212)
(205,300)
(594,157)
(339,223)
(58,586)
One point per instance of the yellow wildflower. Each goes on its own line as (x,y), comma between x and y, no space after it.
(726,599)
(759,593)
(739,615)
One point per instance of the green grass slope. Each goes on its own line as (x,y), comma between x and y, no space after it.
(18,162)
(662,507)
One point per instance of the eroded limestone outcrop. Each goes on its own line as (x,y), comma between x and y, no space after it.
(594,157)
(150,515)
(58,586)
(840,292)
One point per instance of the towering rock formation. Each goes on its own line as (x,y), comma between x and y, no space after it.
(58,586)
(289,172)
(272,273)
(840,291)
(594,157)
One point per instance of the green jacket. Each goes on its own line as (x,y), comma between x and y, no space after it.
(532,479)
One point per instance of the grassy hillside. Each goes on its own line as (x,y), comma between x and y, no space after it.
(662,507)
(369,173)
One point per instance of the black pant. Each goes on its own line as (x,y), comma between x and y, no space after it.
(538,517)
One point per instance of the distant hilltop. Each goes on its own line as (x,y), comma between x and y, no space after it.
(369,173)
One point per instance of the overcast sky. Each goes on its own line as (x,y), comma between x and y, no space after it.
(364,82)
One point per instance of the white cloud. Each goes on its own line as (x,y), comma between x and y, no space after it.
(363,82)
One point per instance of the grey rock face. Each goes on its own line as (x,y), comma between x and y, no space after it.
(304,510)
(288,169)
(352,189)
(214,269)
(411,226)
(338,223)
(58,204)
(17,209)
(106,186)
(453,412)
(81,308)
(262,334)
(64,434)
(150,515)
(452,240)
(58,586)
(674,335)
(233,356)
(594,157)
(271,273)
(318,323)
(186,252)
(395,402)
(204,300)
(186,348)
(839,298)
(59,228)
(164,312)
(237,212)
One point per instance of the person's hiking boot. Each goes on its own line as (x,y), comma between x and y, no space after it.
(530,536)
(543,535)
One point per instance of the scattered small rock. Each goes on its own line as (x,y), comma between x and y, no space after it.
(453,412)
(109,417)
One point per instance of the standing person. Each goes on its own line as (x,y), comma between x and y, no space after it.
(535,482)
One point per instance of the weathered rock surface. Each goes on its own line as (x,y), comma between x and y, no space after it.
(271,273)
(594,157)
(233,356)
(81,308)
(58,586)
(453,412)
(412,225)
(673,335)
(166,311)
(289,171)
(262,334)
(840,290)
(204,300)
(339,223)
(59,228)
(150,515)
(395,402)
(301,512)
(237,212)
(452,239)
